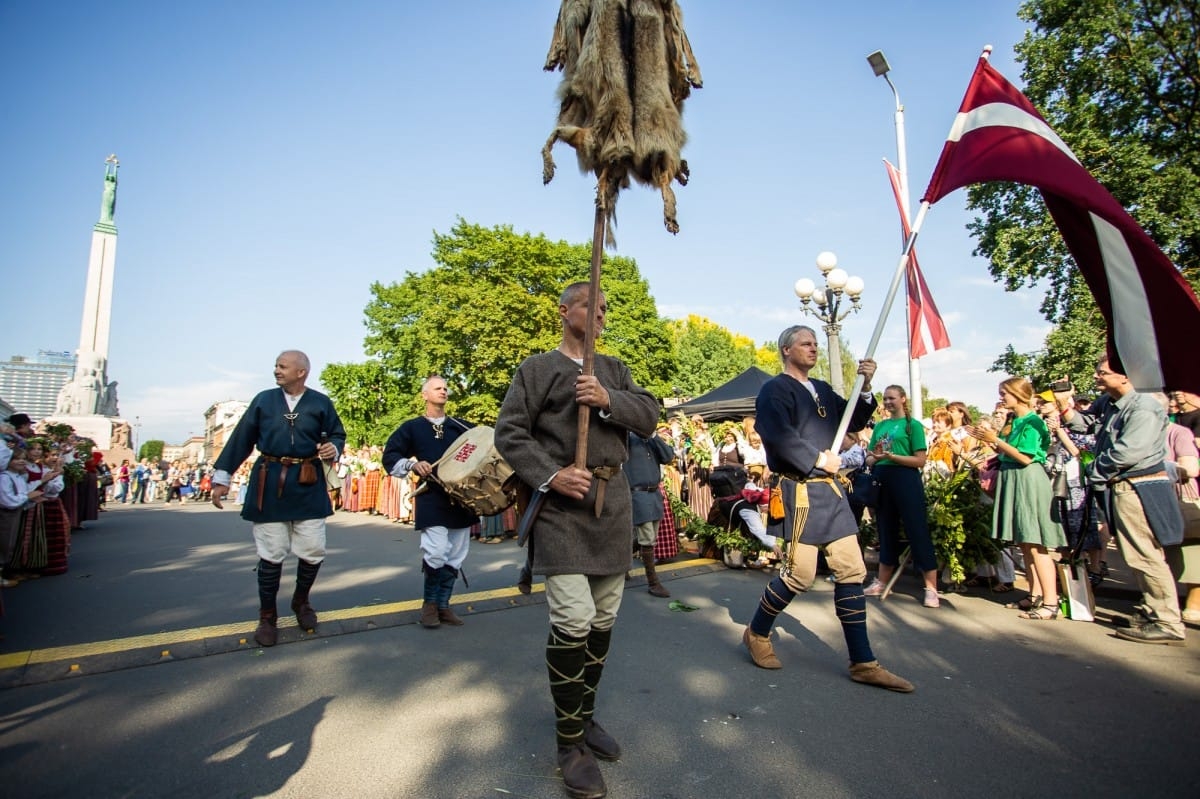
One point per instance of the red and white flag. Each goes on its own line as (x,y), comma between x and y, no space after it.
(998,135)
(926,330)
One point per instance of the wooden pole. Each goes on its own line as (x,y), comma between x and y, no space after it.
(589,337)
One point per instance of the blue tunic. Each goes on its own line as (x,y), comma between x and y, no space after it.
(416,439)
(794,434)
(264,425)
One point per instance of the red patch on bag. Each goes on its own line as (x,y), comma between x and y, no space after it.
(464,453)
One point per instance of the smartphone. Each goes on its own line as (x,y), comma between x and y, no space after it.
(1059,386)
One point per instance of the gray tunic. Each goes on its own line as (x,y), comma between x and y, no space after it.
(535,434)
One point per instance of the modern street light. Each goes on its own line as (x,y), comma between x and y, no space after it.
(830,309)
(881,68)
(137,434)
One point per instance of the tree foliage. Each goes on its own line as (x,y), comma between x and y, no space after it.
(707,355)
(369,400)
(151,450)
(492,300)
(1119,81)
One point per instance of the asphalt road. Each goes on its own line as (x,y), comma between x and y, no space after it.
(376,706)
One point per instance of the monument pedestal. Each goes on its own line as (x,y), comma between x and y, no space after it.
(110,434)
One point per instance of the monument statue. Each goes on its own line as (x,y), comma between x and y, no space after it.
(85,394)
(108,204)
(109,405)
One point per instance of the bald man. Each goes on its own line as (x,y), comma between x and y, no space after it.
(294,429)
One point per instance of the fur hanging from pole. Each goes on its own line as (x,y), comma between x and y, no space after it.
(627,68)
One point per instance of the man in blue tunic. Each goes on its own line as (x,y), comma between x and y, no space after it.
(797,418)
(445,525)
(294,429)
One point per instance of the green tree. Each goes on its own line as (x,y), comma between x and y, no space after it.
(368,401)
(1119,81)
(151,450)
(490,301)
(707,355)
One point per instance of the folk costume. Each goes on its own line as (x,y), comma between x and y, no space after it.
(796,422)
(444,524)
(287,500)
(582,546)
(644,472)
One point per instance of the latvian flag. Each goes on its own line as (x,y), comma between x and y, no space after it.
(926,330)
(998,135)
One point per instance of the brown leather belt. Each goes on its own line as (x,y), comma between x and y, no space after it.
(286,461)
(603,474)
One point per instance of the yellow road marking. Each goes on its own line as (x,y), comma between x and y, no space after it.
(13,660)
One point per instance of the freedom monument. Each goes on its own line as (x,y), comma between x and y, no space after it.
(89,401)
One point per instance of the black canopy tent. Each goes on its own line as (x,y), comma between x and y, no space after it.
(733,400)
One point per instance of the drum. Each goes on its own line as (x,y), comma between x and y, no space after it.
(473,473)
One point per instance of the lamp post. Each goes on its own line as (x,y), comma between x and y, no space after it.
(881,68)
(830,308)
(137,434)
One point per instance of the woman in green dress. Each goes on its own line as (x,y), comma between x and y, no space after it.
(1021,513)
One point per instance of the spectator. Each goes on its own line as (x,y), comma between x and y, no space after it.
(896,455)
(1021,512)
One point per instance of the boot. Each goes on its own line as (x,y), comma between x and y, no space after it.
(448,616)
(525,580)
(580,772)
(761,651)
(874,674)
(267,633)
(655,587)
(447,575)
(429,615)
(306,617)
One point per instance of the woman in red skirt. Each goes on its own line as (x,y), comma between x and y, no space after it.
(56,523)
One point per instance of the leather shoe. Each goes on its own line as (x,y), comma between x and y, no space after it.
(603,745)
(874,674)
(306,617)
(761,651)
(448,616)
(580,772)
(1151,633)
(429,615)
(267,633)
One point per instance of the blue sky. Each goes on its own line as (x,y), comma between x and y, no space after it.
(276,158)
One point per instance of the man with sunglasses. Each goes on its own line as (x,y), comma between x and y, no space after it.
(797,417)
(1136,493)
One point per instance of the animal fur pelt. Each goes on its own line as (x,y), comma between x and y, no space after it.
(627,68)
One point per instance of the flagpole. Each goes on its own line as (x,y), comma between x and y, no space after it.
(901,268)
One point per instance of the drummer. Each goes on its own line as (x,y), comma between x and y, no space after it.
(445,525)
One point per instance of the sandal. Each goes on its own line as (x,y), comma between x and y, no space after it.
(1002,588)
(1028,603)
(1040,613)
(976,582)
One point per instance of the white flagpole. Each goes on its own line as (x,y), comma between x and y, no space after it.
(901,265)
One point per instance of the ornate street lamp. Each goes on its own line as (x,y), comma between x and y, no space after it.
(830,307)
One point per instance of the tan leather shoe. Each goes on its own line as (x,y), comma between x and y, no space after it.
(429,615)
(761,651)
(448,616)
(874,674)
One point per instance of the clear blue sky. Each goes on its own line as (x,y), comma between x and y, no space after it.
(276,158)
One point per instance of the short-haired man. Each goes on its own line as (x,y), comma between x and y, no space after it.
(582,533)
(444,524)
(1138,497)
(294,429)
(797,417)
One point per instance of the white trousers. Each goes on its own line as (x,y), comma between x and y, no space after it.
(305,538)
(443,546)
(579,603)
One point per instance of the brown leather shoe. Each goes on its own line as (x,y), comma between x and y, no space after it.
(306,617)
(761,651)
(448,616)
(267,633)
(429,615)
(603,745)
(580,772)
(874,674)
(658,589)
